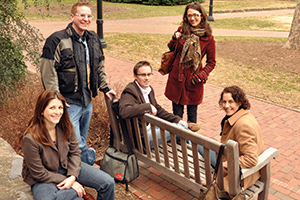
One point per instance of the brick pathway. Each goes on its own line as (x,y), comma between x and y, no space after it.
(280,125)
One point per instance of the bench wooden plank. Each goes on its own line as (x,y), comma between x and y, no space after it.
(174,152)
(196,163)
(138,134)
(263,160)
(164,148)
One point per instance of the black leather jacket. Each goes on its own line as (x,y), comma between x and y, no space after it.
(61,60)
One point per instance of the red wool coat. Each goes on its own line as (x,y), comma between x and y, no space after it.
(180,89)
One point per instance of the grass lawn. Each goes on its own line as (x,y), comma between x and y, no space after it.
(125,11)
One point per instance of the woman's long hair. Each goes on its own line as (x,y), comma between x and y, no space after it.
(186,26)
(37,127)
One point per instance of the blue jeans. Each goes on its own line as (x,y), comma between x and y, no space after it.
(80,118)
(89,176)
(213,159)
(158,135)
(48,191)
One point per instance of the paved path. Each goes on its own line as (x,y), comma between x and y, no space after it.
(167,25)
(280,125)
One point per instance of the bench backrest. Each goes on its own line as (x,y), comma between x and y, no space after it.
(182,159)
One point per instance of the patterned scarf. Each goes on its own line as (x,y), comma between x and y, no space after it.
(191,52)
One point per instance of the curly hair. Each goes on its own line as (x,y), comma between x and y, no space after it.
(186,26)
(238,96)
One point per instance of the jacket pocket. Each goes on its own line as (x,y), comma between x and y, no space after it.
(66,60)
(66,71)
(66,80)
(189,85)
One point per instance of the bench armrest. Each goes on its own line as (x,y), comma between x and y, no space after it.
(263,159)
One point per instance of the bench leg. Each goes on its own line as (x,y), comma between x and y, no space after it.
(265,174)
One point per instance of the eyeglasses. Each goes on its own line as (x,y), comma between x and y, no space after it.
(144,75)
(84,16)
(193,16)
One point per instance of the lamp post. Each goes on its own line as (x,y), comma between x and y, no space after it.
(210,17)
(100,23)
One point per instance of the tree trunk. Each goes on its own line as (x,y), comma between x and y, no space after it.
(294,36)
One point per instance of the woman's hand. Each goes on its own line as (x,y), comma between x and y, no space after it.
(67,183)
(79,189)
(177,34)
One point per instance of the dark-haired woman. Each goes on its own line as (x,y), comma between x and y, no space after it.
(52,165)
(187,78)
(241,126)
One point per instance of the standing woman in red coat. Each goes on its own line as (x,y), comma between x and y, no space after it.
(186,80)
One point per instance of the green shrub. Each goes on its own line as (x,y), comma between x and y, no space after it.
(12,66)
(157,2)
(20,42)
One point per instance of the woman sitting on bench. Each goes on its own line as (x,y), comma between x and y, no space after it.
(241,126)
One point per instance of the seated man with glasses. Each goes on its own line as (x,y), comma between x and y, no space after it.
(138,98)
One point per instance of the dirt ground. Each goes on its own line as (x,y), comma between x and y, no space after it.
(269,55)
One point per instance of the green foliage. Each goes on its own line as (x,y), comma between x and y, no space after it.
(12,66)
(157,2)
(19,43)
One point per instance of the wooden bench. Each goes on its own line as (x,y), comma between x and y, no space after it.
(183,163)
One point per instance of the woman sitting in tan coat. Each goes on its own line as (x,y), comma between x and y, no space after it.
(241,126)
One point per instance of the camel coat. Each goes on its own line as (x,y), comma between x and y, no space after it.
(243,128)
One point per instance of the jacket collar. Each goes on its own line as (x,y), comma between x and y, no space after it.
(144,91)
(235,117)
(71,31)
(137,87)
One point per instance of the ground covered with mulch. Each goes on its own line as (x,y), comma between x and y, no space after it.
(267,55)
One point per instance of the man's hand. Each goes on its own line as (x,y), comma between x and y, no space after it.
(183,123)
(110,92)
(153,110)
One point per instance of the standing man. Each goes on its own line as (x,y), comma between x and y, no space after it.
(138,98)
(73,64)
